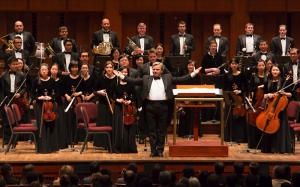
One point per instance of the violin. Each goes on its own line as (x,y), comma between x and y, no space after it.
(18,101)
(25,101)
(268,120)
(251,116)
(129,111)
(77,99)
(239,110)
(48,114)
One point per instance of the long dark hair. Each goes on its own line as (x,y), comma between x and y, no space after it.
(233,60)
(256,77)
(185,70)
(270,77)
(39,74)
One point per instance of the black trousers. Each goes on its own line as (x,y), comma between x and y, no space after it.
(157,117)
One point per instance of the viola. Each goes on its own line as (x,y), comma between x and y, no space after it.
(239,110)
(251,116)
(48,114)
(18,101)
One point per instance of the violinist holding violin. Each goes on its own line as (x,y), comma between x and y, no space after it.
(236,81)
(124,128)
(41,92)
(280,141)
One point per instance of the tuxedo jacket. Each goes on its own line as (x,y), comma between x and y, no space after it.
(59,58)
(145,70)
(56,45)
(98,38)
(5,84)
(133,73)
(148,44)
(276,47)
(175,45)
(146,82)
(223,45)
(287,67)
(257,57)
(25,57)
(241,43)
(28,41)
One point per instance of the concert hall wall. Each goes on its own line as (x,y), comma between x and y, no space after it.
(83,17)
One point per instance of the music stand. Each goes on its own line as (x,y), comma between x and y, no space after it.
(35,65)
(281,60)
(231,99)
(177,63)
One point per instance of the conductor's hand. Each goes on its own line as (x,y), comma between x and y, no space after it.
(216,71)
(196,71)
(117,73)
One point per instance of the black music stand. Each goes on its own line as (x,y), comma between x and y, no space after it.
(35,65)
(178,63)
(281,60)
(231,99)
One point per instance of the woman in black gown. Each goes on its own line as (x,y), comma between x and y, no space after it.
(161,58)
(186,119)
(73,86)
(123,93)
(256,82)
(115,53)
(60,122)
(279,142)
(89,83)
(48,141)
(103,87)
(236,82)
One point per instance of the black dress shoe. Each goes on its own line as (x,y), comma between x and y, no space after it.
(160,155)
(141,141)
(152,155)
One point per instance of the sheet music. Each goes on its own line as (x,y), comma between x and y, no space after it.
(198,90)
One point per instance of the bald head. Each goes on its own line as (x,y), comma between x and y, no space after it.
(19,26)
(105,24)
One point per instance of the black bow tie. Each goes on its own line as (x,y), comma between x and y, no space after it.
(61,38)
(19,33)
(263,53)
(19,51)
(156,78)
(67,52)
(217,36)
(150,63)
(294,63)
(282,38)
(142,36)
(105,32)
(181,35)
(12,72)
(249,35)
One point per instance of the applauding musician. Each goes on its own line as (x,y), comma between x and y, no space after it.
(281,45)
(249,41)
(222,42)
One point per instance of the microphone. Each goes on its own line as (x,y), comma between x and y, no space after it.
(249,104)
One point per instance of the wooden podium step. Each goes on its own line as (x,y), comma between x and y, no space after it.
(185,148)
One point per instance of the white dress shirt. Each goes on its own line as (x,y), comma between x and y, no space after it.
(18,54)
(12,82)
(157,90)
(181,41)
(295,72)
(283,45)
(68,60)
(21,35)
(62,46)
(249,44)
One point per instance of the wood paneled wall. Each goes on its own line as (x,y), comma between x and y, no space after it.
(84,17)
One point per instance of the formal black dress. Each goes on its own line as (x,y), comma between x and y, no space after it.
(209,61)
(123,135)
(61,121)
(70,115)
(239,127)
(48,142)
(104,113)
(279,142)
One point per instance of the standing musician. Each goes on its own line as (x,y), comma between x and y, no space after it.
(115,53)
(281,45)
(123,61)
(28,40)
(249,40)
(262,54)
(64,59)
(102,89)
(57,44)
(18,52)
(84,58)
(72,88)
(293,66)
(182,44)
(222,42)
(10,80)
(279,142)
(124,128)
(236,81)
(60,121)
(47,142)
(89,83)
(160,56)
(257,81)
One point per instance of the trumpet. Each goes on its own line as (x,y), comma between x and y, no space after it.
(8,43)
(51,51)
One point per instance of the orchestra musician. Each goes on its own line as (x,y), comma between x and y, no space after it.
(123,94)
(279,142)
(182,44)
(47,142)
(262,54)
(257,81)
(73,87)
(139,61)
(123,61)
(57,44)
(249,40)
(222,42)
(236,81)
(102,89)
(269,64)
(281,45)
(64,59)
(156,90)
(115,53)
(18,52)
(89,83)
(84,58)
(10,80)
(160,56)
(293,66)
(60,121)
(28,40)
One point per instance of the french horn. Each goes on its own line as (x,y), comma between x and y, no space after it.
(103,48)
(8,43)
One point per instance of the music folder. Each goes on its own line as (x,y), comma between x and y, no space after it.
(178,63)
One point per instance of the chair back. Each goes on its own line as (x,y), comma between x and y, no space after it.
(91,109)
(10,117)
(16,111)
(293,110)
(85,116)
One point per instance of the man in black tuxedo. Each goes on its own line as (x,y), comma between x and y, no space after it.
(84,58)
(9,81)
(280,45)
(123,61)
(182,44)
(262,54)
(222,42)
(28,40)
(293,66)
(7,173)
(249,40)
(18,53)
(143,41)
(63,59)
(156,91)
(57,44)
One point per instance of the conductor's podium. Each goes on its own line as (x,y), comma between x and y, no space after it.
(196,148)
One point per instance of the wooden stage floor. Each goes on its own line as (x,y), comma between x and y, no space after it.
(25,153)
